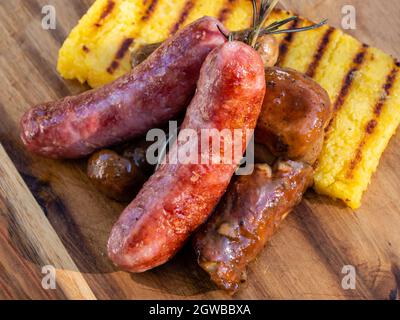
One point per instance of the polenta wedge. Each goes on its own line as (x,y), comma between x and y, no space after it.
(362,82)
(97,50)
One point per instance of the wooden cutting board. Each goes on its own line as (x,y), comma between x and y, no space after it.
(50,214)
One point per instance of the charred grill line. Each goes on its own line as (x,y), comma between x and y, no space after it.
(358,60)
(126,43)
(124,48)
(320,52)
(348,80)
(120,55)
(184,14)
(371,125)
(226,10)
(386,90)
(283,49)
(150,9)
(106,12)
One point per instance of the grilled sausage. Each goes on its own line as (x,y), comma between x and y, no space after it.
(151,94)
(179,197)
(246,219)
(295,113)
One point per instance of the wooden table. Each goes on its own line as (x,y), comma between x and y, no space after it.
(51,215)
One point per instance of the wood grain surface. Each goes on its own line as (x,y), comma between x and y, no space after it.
(29,229)
(51,214)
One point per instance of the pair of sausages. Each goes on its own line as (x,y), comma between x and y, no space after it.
(295,113)
(179,197)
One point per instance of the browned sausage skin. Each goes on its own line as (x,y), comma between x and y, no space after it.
(152,93)
(246,219)
(179,197)
(295,113)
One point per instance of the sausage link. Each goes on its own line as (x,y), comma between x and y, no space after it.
(179,197)
(151,94)
(246,218)
(294,115)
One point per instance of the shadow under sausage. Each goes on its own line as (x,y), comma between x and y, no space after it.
(180,276)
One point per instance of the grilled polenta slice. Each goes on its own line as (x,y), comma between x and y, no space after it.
(362,82)
(97,50)
(367,115)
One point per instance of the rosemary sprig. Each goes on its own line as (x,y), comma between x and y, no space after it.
(255,14)
(277,24)
(314,26)
(266,8)
(260,16)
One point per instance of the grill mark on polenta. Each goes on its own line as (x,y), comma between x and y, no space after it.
(361,55)
(113,66)
(106,12)
(371,125)
(120,55)
(123,48)
(357,157)
(182,17)
(284,46)
(386,90)
(358,60)
(348,80)
(320,52)
(108,9)
(149,11)
(226,10)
